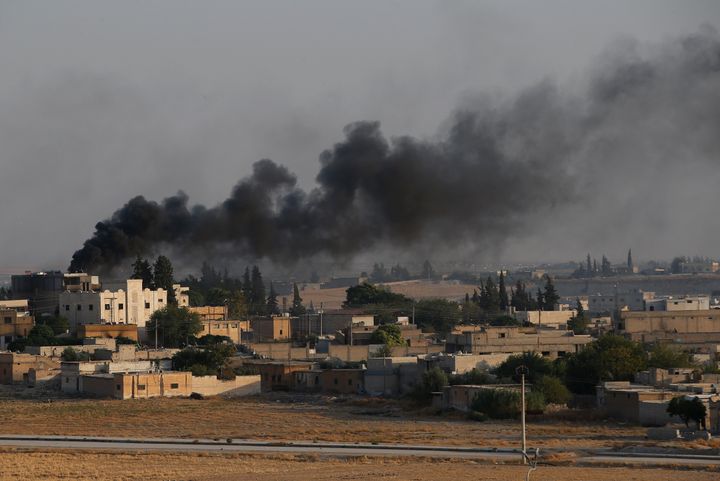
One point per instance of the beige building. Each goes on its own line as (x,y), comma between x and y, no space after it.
(15,321)
(546,318)
(274,328)
(132,305)
(551,343)
(234,329)
(646,326)
(210,313)
(14,367)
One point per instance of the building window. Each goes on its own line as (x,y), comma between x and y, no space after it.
(349,382)
(67,307)
(281,332)
(107,307)
(117,387)
(79,307)
(141,387)
(317,380)
(147,305)
(67,380)
(8,320)
(233,325)
(501,335)
(120,306)
(160,300)
(90,307)
(174,385)
(335,381)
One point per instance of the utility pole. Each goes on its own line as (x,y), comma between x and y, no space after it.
(522,370)
(321,319)
(413,312)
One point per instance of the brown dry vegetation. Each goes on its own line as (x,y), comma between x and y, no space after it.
(55,465)
(316,419)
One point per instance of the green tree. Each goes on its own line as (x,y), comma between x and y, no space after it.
(258,300)
(610,358)
(237,305)
(297,308)
(41,335)
(537,366)
(272,305)
(579,322)
(203,361)
(217,296)
(605,266)
(433,380)
(175,325)
(163,277)
(143,270)
(665,357)
(497,403)
(70,354)
(552,389)
(438,315)
(388,334)
(58,324)
(688,410)
(550,296)
(503,300)
(427,270)
(367,294)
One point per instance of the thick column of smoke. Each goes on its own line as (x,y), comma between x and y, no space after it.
(499,165)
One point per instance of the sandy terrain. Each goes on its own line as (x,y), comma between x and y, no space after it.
(320,419)
(333,298)
(56,465)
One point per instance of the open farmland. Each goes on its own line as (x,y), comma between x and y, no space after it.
(59,464)
(291,418)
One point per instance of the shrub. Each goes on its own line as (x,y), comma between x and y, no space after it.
(535,402)
(475,376)
(477,416)
(433,380)
(552,389)
(70,354)
(497,403)
(536,364)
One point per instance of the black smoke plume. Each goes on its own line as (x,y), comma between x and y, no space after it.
(499,166)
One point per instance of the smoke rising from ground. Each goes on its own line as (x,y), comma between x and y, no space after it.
(499,168)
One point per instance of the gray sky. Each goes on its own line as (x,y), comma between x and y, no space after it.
(101,101)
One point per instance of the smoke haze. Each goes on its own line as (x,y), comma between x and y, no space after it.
(500,168)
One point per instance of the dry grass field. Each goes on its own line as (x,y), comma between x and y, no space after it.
(321,419)
(333,298)
(63,465)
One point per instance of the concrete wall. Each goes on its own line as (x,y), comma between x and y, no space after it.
(148,385)
(15,366)
(240,386)
(677,322)
(551,318)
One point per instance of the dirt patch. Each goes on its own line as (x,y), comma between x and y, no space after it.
(229,467)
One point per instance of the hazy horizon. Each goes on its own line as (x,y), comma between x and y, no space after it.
(104,101)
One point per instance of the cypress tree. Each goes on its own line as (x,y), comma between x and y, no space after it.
(297,308)
(503,301)
(272,302)
(163,277)
(143,270)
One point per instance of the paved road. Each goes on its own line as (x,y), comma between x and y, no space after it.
(237,445)
(329,449)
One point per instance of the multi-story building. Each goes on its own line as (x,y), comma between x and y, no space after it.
(132,305)
(633,300)
(550,343)
(680,303)
(42,289)
(15,321)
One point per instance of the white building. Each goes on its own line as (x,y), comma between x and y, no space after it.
(680,303)
(633,300)
(132,305)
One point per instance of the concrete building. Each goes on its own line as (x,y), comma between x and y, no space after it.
(15,321)
(391,376)
(132,305)
(108,331)
(554,319)
(550,343)
(210,313)
(648,326)
(678,303)
(633,300)
(14,367)
(333,381)
(236,330)
(274,328)
(73,372)
(279,375)
(458,363)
